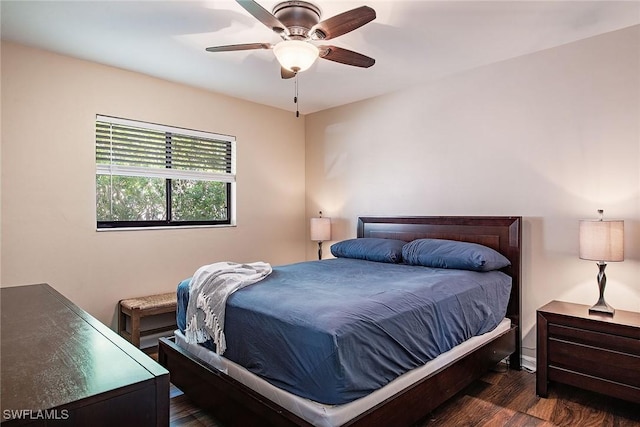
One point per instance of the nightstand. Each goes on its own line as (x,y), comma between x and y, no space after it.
(595,352)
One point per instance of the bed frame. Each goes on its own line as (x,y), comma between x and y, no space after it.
(235,404)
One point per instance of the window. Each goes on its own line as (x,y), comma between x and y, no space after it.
(150,175)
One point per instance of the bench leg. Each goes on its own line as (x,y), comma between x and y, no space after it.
(122,320)
(135,327)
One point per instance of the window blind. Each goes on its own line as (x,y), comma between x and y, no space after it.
(132,148)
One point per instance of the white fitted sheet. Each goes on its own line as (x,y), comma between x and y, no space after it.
(334,415)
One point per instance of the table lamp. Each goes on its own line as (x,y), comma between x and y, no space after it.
(320,231)
(602,241)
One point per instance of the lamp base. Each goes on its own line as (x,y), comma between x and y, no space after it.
(602,307)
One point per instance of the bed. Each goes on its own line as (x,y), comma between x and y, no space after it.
(237,397)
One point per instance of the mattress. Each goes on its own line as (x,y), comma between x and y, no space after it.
(335,415)
(336,330)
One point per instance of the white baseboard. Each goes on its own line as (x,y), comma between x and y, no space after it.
(528,363)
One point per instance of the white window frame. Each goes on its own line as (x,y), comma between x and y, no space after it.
(112,169)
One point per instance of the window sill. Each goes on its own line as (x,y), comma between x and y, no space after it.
(164,227)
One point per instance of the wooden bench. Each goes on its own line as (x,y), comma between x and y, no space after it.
(137,308)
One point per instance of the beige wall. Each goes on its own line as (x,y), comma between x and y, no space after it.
(551,136)
(49,103)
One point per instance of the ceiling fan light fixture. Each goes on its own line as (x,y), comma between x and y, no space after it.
(296,55)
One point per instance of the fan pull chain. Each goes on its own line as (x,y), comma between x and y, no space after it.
(295,97)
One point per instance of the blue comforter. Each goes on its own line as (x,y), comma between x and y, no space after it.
(336,330)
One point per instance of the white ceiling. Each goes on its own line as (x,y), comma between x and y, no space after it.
(412,41)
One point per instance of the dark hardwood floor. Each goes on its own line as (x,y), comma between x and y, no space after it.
(498,399)
(509,399)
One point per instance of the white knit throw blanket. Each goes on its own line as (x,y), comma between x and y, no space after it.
(209,289)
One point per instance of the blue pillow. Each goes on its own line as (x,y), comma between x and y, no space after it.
(439,253)
(370,249)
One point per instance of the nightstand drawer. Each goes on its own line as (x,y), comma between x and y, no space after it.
(599,362)
(596,339)
(599,385)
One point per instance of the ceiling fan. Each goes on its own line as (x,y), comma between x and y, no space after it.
(298,23)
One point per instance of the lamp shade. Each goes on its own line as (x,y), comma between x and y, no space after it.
(320,229)
(295,55)
(602,240)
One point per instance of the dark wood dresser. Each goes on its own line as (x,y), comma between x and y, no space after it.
(592,351)
(61,366)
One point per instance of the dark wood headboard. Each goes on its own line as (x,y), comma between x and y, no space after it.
(501,233)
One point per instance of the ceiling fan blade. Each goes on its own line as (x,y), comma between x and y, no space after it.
(343,23)
(345,56)
(286,74)
(234,47)
(262,15)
